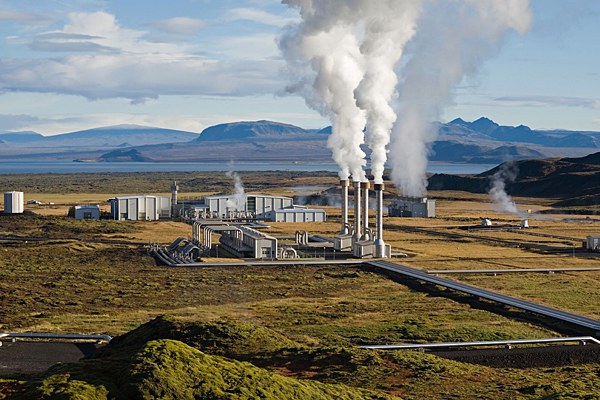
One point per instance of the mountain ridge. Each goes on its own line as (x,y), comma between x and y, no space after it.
(478,141)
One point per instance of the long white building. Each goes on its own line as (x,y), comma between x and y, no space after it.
(140,207)
(270,208)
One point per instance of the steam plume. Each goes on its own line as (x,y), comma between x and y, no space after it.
(453,39)
(387,30)
(354,84)
(323,51)
(237,202)
(503,201)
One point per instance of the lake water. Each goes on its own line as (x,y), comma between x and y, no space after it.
(62,167)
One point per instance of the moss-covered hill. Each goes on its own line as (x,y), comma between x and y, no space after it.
(147,363)
(172,359)
(169,369)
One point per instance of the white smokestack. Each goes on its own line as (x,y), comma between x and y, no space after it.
(357,209)
(379,243)
(452,41)
(365,225)
(344,184)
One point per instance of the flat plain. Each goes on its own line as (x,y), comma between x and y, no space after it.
(73,282)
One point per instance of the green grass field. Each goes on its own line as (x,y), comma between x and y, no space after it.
(318,314)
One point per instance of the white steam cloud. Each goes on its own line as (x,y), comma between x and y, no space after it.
(503,201)
(344,56)
(322,51)
(453,39)
(237,201)
(386,33)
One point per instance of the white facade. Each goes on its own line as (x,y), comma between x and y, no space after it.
(270,208)
(13,202)
(412,207)
(87,212)
(297,215)
(255,205)
(140,207)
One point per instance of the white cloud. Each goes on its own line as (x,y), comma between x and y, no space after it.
(179,25)
(259,16)
(10,122)
(66,42)
(108,60)
(542,101)
(21,17)
(139,77)
(250,47)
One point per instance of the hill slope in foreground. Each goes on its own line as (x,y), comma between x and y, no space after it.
(572,181)
(167,358)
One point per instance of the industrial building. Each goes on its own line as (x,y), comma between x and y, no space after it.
(249,243)
(240,241)
(593,243)
(297,214)
(412,207)
(257,206)
(13,202)
(87,212)
(140,207)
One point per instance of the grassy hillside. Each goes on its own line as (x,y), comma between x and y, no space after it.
(149,363)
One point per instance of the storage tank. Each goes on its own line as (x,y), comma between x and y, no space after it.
(13,202)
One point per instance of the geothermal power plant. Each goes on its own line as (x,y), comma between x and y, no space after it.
(239,218)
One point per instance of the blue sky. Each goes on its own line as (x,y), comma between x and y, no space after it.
(67,65)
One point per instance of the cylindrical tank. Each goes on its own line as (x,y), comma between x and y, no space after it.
(13,202)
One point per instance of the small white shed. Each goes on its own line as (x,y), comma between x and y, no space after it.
(87,212)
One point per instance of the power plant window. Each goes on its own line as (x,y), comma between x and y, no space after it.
(251,204)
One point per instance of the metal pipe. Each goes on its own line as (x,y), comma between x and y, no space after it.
(344,229)
(365,226)
(105,338)
(581,339)
(379,243)
(357,209)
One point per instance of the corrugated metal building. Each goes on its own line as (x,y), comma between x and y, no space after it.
(13,202)
(256,205)
(87,212)
(140,207)
(412,207)
(247,242)
(297,215)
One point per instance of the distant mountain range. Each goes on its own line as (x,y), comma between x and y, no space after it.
(480,141)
